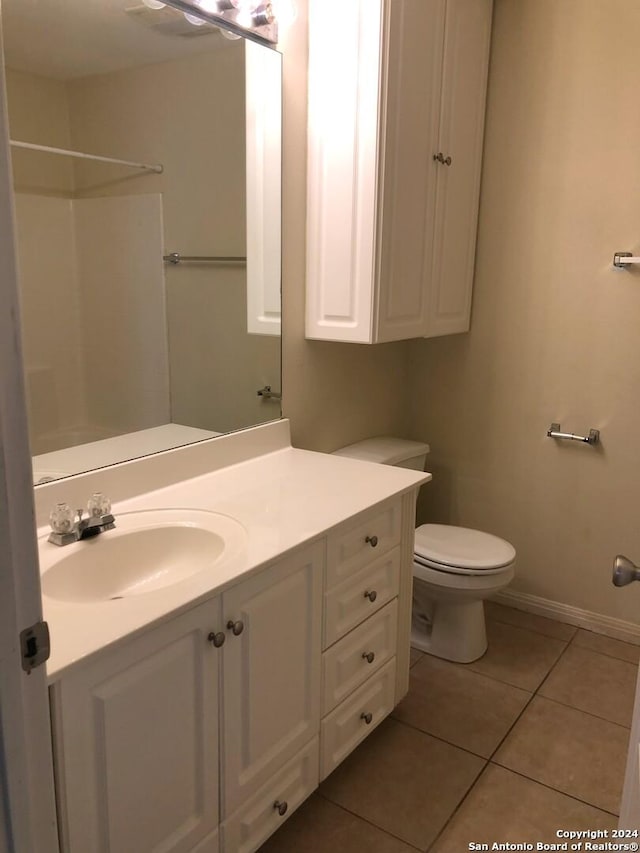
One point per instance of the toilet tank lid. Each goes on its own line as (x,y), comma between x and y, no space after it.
(384,449)
(462,547)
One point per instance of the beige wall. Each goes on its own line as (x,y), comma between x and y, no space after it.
(334,394)
(39,112)
(555,331)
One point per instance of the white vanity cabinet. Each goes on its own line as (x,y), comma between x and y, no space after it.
(136,742)
(136,728)
(362,593)
(204,733)
(271,697)
(397,94)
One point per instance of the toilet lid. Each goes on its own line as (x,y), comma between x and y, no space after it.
(462,548)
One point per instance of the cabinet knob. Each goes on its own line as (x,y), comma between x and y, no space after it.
(372,540)
(366,717)
(440,158)
(371,595)
(217,638)
(235,627)
(281,807)
(369,656)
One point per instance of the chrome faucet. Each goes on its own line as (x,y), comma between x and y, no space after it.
(66,528)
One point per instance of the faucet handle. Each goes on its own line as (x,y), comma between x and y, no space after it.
(62,518)
(99,505)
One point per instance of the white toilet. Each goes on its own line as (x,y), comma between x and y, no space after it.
(454,568)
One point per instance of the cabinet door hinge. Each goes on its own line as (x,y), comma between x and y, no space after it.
(35,646)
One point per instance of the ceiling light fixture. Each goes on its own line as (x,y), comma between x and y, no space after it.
(254,19)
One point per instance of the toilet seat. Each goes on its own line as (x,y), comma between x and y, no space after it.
(461,551)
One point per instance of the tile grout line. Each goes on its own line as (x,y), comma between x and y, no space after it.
(587,713)
(367,821)
(572,639)
(604,654)
(441,739)
(535,630)
(551,788)
(459,806)
(558,659)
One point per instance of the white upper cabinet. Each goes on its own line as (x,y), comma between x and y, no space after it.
(396,118)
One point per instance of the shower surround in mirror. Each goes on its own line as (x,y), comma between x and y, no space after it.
(116,341)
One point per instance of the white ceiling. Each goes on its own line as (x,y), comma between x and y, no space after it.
(65,39)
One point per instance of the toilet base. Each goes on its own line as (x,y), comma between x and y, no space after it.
(454,631)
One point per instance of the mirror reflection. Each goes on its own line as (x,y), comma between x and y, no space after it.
(127,353)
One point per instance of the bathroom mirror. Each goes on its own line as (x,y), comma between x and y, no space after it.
(126,351)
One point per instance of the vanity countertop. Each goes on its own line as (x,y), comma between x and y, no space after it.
(283,498)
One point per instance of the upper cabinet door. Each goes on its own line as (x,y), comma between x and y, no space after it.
(412,79)
(396,118)
(464,84)
(344,70)
(271,672)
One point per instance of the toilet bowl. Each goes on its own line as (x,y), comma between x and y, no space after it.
(454,568)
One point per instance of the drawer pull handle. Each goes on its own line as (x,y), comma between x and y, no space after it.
(366,717)
(281,807)
(235,627)
(371,595)
(217,638)
(372,540)
(369,656)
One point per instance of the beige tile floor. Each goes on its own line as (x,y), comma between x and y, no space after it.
(527,740)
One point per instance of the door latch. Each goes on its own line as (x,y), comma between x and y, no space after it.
(35,646)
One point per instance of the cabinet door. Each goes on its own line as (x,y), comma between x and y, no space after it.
(412,77)
(136,738)
(464,83)
(271,672)
(344,62)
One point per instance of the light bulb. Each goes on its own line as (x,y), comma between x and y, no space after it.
(246,5)
(212,6)
(285,12)
(193,19)
(154,4)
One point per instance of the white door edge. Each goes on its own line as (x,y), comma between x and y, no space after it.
(26,766)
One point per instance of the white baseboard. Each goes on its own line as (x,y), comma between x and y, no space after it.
(607,625)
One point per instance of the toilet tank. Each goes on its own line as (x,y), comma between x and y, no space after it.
(388,451)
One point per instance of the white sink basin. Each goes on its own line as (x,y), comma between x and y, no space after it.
(147,551)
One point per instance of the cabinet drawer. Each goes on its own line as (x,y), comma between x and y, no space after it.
(347,664)
(360,596)
(345,727)
(255,821)
(348,549)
